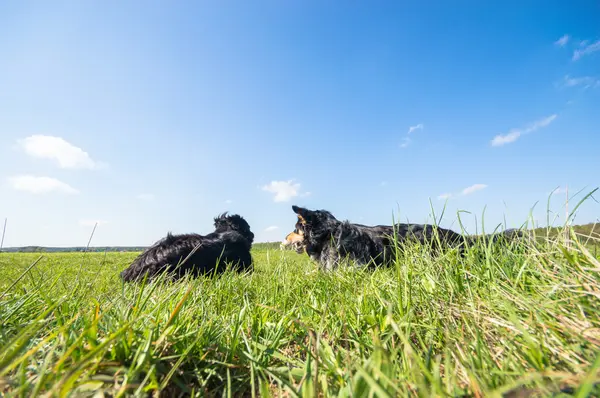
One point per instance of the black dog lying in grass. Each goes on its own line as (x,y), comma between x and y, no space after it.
(327,240)
(197,254)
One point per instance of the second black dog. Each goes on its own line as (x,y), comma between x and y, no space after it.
(197,254)
(328,240)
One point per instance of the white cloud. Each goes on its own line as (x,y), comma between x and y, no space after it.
(283,190)
(271,228)
(91,223)
(67,156)
(585,81)
(586,49)
(562,41)
(541,123)
(412,129)
(467,191)
(406,140)
(147,197)
(40,185)
(559,191)
(473,188)
(228,201)
(515,134)
(500,140)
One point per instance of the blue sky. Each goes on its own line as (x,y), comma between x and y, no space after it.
(152,117)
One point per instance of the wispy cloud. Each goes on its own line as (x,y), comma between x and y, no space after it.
(559,191)
(40,185)
(500,140)
(515,134)
(586,48)
(146,197)
(91,223)
(406,139)
(228,201)
(283,190)
(583,81)
(412,129)
(473,188)
(562,41)
(467,191)
(271,228)
(67,155)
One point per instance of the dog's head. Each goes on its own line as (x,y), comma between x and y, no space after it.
(234,222)
(310,225)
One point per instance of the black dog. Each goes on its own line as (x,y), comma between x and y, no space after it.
(197,254)
(327,240)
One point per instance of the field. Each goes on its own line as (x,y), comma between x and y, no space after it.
(512,320)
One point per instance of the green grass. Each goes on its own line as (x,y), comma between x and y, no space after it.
(518,318)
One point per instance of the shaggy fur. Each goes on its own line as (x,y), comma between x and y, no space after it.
(229,243)
(327,240)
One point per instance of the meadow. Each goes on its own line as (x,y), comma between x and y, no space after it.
(520,319)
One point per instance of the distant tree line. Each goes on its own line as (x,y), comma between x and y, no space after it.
(43,249)
(591,230)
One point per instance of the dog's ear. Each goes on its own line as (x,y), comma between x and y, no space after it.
(301,212)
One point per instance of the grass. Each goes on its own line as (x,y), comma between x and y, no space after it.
(502,321)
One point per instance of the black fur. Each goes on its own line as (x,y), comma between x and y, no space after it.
(327,240)
(229,243)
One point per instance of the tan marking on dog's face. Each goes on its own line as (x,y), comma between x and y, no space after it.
(294,237)
(301,220)
(295,240)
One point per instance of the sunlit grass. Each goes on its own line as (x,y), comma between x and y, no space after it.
(518,317)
